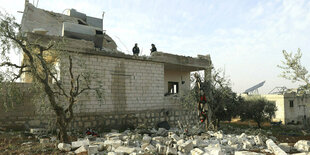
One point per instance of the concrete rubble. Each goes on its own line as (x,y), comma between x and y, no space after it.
(274,148)
(176,142)
(303,145)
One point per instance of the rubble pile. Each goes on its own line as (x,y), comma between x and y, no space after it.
(174,142)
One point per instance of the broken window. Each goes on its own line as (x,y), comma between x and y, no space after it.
(99,32)
(291,103)
(173,87)
(81,22)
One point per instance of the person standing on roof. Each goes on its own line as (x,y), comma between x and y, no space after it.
(153,49)
(136,50)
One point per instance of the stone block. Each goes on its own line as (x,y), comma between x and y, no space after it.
(232,141)
(302,153)
(93,150)
(44,140)
(174,137)
(114,135)
(258,140)
(247,153)
(113,143)
(37,131)
(187,146)
(197,151)
(219,135)
(82,149)
(146,139)
(126,150)
(274,148)
(80,143)
(242,137)
(64,147)
(214,150)
(150,148)
(114,153)
(180,142)
(161,149)
(246,144)
(171,151)
(302,145)
(285,147)
(158,139)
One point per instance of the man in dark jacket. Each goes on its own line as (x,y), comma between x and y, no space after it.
(153,49)
(136,50)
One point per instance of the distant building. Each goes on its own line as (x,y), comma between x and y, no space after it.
(292,108)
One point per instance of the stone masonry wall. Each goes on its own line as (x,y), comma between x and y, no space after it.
(133,95)
(128,85)
(19,114)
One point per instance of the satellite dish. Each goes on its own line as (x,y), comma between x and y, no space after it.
(254,89)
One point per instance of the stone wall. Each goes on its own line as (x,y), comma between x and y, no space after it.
(16,115)
(127,84)
(300,109)
(133,95)
(147,118)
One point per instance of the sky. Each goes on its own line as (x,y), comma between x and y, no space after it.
(244,38)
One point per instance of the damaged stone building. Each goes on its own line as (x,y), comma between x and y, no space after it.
(137,89)
(292,108)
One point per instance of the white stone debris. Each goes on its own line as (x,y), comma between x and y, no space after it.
(171,151)
(175,143)
(114,153)
(113,143)
(37,131)
(64,147)
(246,144)
(197,151)
(77,144)
(161,149)
(146,139)
(302,145)
(162,132)
(44,140)
(258,140)
(114,136)
(150,148)
(302,153)
(93,149)
(81,149)
(186,147)
(274,148)
(123,149)
(214,150)
(285,147)
(247,153)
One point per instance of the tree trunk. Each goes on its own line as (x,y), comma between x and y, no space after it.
(258,124)
(62,126)
(210,125)
(60,115)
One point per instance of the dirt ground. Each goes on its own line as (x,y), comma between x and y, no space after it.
(21,144)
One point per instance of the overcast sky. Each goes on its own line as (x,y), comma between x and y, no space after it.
(244,37)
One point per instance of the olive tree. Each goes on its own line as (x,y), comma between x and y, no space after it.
(258,109)
(293,70)
(40,64)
